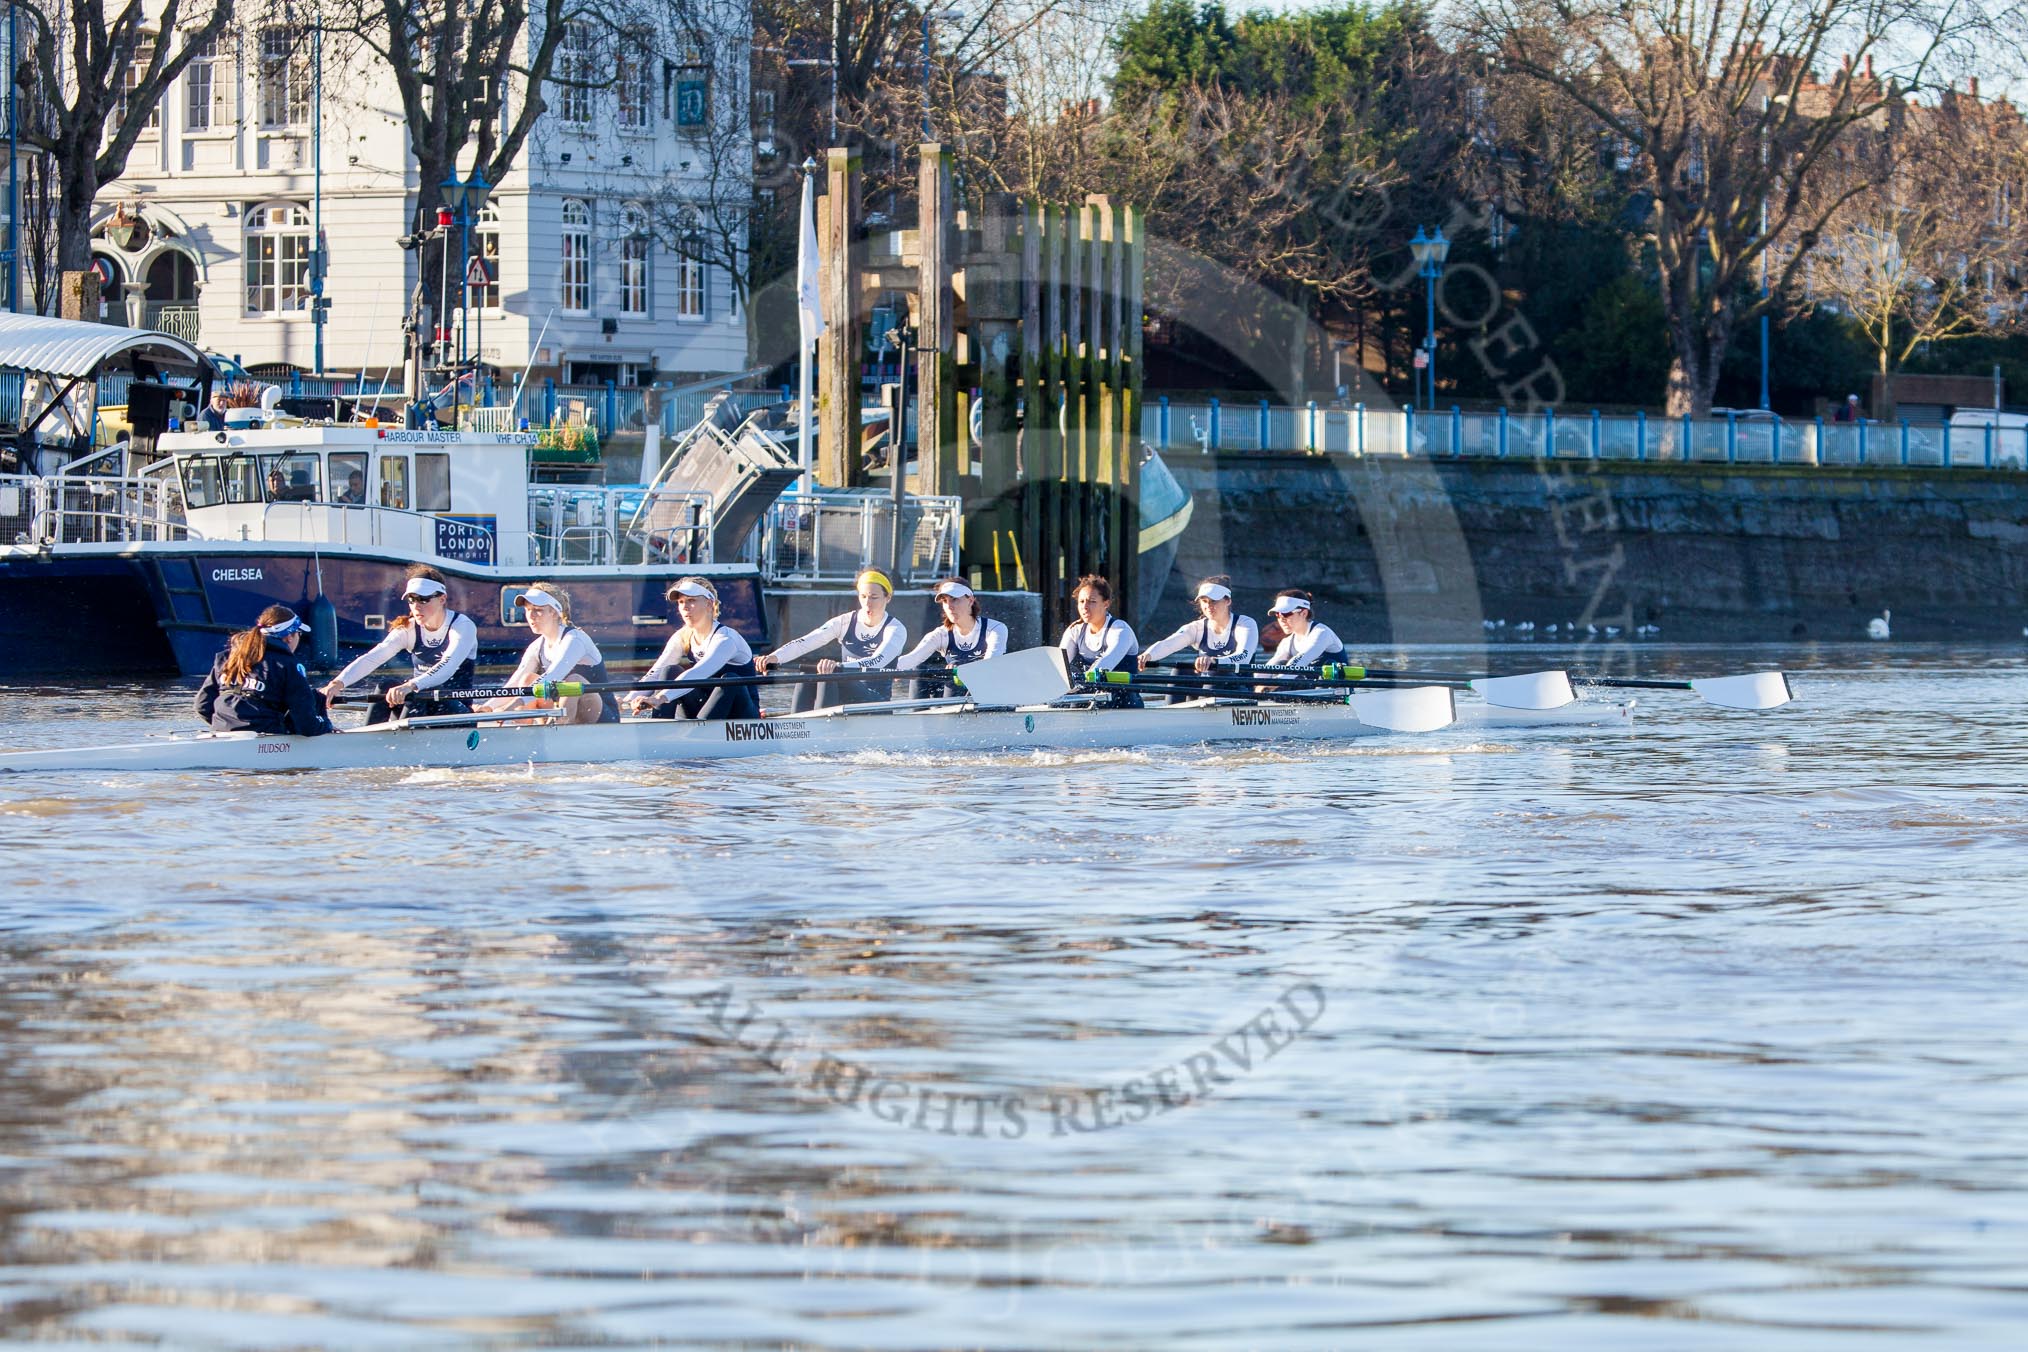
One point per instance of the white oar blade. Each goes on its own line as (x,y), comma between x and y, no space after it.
(1031,676)
(1755,690)
(1536,690)
(1414,708)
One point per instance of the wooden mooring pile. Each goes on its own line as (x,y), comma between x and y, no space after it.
(1033,309)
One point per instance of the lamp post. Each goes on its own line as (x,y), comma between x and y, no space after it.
(466,199)
(1429,251)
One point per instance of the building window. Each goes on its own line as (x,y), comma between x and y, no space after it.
(689,286)
(577,291)
(486,244)
(574,74)
(632,82)
(210,89)
(634,263)
(277,259)
(137,71)
(284,79)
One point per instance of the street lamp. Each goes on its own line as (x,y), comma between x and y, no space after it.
(1430,251)
(466,199)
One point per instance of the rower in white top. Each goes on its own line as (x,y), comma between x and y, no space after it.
(561,652)
(1216,634)
(442,645)
(1099,640)
(1305,642)
(703,649)
(966,635)
(868,639)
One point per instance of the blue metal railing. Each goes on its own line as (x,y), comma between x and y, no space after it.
(1210,425)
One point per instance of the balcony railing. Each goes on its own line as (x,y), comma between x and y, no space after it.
(178,319)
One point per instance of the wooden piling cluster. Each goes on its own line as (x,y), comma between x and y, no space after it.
(1037,308)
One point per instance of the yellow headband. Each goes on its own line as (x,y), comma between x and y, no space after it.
(875,575)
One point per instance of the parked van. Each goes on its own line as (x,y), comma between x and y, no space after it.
(2010,434)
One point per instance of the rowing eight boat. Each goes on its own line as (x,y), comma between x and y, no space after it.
(955,728)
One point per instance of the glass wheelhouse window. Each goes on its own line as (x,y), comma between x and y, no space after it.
(394,481)
(348,478)
(291,478)
(432,482)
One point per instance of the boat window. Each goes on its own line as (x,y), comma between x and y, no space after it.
(348,478)
(290,478)
(394,481)
(217,480)
(432,483)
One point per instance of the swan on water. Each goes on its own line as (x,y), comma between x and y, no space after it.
(1877,626)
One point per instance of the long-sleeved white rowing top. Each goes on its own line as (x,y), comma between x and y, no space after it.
(724,648)
(1243,634)
(1308,650)
(938,641)
(886,642)
(464,643)
(573,650)
(1108,652)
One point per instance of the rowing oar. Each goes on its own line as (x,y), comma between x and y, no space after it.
(565,689)
(1032,676)
(1750,690)
(1535,690)
(1552,689)
(1405,708)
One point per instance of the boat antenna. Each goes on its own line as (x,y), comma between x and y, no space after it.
(515,402)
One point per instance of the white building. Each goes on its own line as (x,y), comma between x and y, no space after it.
(213,219)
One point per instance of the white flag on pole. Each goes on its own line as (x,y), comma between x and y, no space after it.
(809,303)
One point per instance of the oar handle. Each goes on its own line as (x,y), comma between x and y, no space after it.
(566,689)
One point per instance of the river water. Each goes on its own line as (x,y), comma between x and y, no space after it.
(1711,1034)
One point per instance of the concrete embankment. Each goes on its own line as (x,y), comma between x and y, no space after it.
(1422,551)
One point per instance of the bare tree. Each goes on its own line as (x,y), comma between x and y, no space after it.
(96,82)
(1938,251)
(473,76)
(1726,120)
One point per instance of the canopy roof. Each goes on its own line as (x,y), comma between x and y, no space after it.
(39,345)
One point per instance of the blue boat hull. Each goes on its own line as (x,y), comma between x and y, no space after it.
(171,608)
(64,616)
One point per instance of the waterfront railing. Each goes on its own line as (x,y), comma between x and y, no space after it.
(831,536)
(1455,433)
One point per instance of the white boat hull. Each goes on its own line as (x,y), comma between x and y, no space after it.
(945,730)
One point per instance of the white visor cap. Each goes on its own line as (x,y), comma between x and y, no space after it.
(1214,591)
(535,596)
(692,589)
(425,587)
(1288,605)
(953,590)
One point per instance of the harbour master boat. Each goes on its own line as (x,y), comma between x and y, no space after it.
(182,534)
